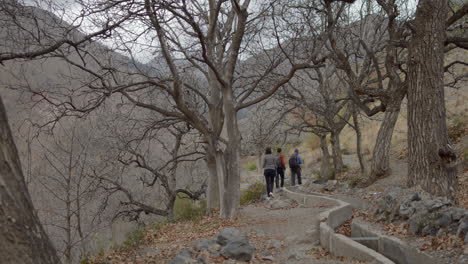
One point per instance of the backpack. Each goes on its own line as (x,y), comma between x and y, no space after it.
(278,162)
(293,163)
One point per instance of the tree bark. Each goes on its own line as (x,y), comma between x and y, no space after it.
(357,128)
(259,161)
(325,165)
(431,159)
(380,166)
(231,201)
(22,237)
(213,188)
(336,152)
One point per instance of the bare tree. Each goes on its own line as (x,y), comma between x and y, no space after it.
(23,239)
(316,95)
(71,213)
(209,36)
(264,127)
(144,169)
(369,40)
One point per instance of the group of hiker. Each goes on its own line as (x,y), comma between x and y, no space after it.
(274,168)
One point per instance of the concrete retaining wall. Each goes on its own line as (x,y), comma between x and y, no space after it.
(391,247)
(337,244)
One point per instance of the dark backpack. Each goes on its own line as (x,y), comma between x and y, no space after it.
(293,163)
(278,163)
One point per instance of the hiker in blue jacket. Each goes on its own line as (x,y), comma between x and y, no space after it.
(295,162)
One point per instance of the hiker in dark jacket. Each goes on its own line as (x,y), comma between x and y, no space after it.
(295,162)
(269,166)
(280,168)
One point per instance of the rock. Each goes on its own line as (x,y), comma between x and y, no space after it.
(420,207)
(238,250)
(228,234)
(445,220)
(202,260)
(430,230)
(278,204)
(453,228)
(458,213)
(465,249)
(382,217)
(329,188)
(442,232)
(464,219)
(273,243)
(210,245)
(433,205)
(406,210)
(416,223)
(320,181)
(462,229)
(296,254)
(184,257)
(415,197)
(268,258)
(465,240)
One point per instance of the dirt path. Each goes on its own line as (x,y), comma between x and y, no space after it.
(295,229)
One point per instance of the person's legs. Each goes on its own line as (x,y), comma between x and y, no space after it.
(299,180)
(293,177)
(269,177)
(272,181)
(277,178)
(281,174)
(265,173)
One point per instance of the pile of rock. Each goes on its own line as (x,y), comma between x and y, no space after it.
(229,243)
(424,215)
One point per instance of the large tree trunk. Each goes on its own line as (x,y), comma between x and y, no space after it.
(325,171)
(22,238)
(357,128)
(380,166)
(230,202)
(260,161)
(213,188)
(336,152)
(431,159)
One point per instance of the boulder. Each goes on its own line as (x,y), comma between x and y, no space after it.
(445,220)
(429,230)
(406,210)
(228,234)
(279,204)
(462,229)
(210,245)
(415,197)
(458,213)
(184,257)
(238,249)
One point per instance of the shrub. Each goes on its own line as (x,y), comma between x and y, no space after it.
(187,209)
(355,181)
(253,193)
(251,166)
(134,238)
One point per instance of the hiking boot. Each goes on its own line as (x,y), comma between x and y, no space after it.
(271,194)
